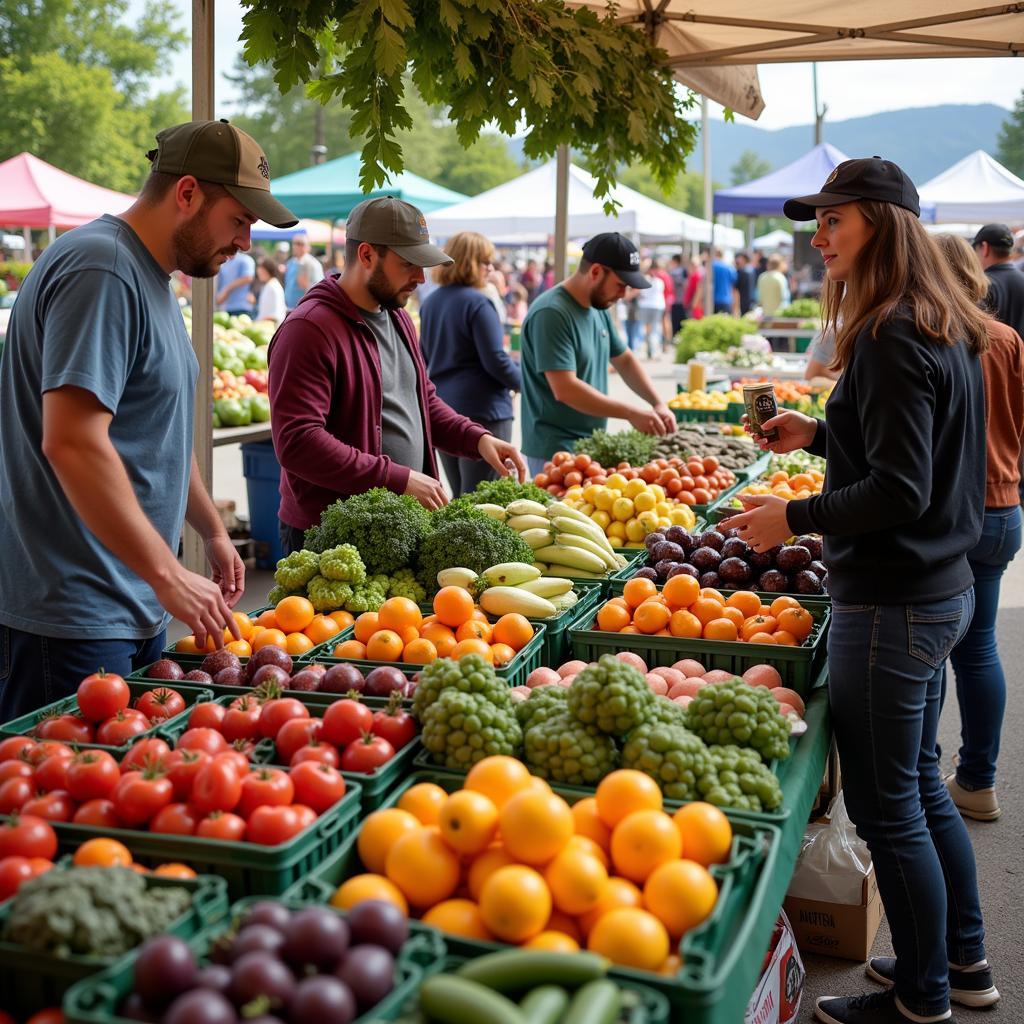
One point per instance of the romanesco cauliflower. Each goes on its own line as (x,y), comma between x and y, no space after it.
(611,695)
(460,729)
(328,595)
(543,701)
(279,593)
(294,571)
(470,674)
(736,712)
(344,564)
(367,597)
(740,780)
(559,748)
(671,755)
(404,584)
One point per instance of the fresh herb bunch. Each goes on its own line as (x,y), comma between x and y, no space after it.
(505,490)
(609,450)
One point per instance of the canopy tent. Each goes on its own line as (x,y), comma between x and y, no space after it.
(764,197)
(317,231)
(976,188)
(35,194)
(329,191)
(773,240)
(524,210)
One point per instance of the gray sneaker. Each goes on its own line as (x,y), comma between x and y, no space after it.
(966,987)
(979,804)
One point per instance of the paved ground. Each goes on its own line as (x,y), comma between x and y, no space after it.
(997,845)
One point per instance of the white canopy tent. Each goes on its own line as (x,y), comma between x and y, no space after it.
(976,189)
(773,240)
(523,210)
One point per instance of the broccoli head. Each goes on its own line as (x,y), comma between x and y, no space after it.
(736,712)
(328,595)
(470,674)
(611,695)
(403,584)
(343,564)
(543,701)
(461,728)
(740,780)
(294,571)
(560,748)
(671,755)
(367,597)
(476,542)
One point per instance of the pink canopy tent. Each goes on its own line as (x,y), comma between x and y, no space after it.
(35,194)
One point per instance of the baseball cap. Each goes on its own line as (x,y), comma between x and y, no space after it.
(866,178)
(618,254)
(219,152)
(398,225)
(999,236)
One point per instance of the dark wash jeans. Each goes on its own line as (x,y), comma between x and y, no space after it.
(37,670)
(980,682)
(291,537)
(886,664)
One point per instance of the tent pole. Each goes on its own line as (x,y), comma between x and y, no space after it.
(561,210)
(26,233)
(202,289)
(51,232)
(705,134)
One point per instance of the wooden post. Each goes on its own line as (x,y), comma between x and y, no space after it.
(561,211)
(705,130)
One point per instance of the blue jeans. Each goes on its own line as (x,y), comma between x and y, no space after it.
(980,683)
(37,670)
(885,678)
(634,335)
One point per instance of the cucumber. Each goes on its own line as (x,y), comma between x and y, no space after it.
(544,1005)
(519,969)
(448,999)
(598,1002)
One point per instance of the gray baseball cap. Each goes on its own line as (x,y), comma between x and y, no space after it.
(398,225)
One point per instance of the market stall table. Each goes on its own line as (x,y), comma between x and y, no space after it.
(241,435)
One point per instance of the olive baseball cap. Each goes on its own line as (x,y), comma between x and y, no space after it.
(220,153)
(398,225)
(866,178)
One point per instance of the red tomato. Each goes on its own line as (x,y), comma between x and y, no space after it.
(40,751)
(324,753)
(306,815)
(270,826)
(54,806)
(294,734)
(53,773)
(206,715)
(66,728)
(160,704)
(345,721)
(98,814)
(51,1015)
(175,819)
(222,825)
(140,795)
(147,753)
(15,793)
(209,740)
(122,728)
(102,695)
(265,787)
(15,747)
(217,786)
(317,785)
(366,754)
(242,721)
(239,755)
(13,871)
(91,775)
(15,770)
(278,711)
(27,836)
(182,767)
(398,727)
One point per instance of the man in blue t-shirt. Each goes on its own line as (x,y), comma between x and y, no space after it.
(724,282)
(97,390)
(234,280)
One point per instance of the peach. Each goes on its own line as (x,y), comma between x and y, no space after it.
(763,675)
(689,667)
(658,684)
(542,677)
(633,659)
(572,668)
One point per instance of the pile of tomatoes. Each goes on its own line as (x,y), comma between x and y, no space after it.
(27,847)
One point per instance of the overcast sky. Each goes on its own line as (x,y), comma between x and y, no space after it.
(851,89)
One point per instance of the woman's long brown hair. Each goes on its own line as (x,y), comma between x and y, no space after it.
(900,270)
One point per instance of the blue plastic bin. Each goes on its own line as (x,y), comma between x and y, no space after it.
(262,483)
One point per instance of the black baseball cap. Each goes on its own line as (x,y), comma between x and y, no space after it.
(866,178)
(999,236)
(618,254)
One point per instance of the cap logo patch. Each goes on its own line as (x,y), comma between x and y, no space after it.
(634,259)
(832,176)
(264,167)
(423,227)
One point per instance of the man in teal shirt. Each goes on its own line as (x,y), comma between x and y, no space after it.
(568,340)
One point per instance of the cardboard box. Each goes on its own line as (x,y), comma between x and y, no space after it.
(837,929)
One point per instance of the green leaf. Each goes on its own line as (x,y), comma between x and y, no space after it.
(463,62)
(520,61)
(449,15)
(396,12)
(390,49)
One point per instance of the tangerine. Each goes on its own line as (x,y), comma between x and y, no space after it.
(681,591)
(797,621)
(294,613)
(721,629)
(241,648)
(322,628)
(780,604)
(684,623)
(553,941)
(706,609)
(269,638)
(441,637)
(747,601)
(499,778)
(423,866)
(620,892)
(484,866)
(368,887)
(296,644)
(468,822)
(424,801)
(535,826)
(502,654)
(453,606)
(351,650)
(757,624)
(589,824)
(624,792)
(102,853)
(637,590)
(419,652)
(365,626)
(379,832)
(651,616)
(577,880)
(680,894)
(613,618)
(398,612)
(706,833)
(630,937)
(642,841)
(385,645)
(343,618)
(473,646)
(245,624)
(474,629)
(513,629)
(515,903)
(458,917)
(267,619)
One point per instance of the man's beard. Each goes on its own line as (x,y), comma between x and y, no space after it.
(387,295)
(191,244)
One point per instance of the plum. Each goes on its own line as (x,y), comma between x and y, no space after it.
(667,551)
(230,675)
(711,579)
(706,559)
(806,582)
(306,680)
(735,548)
(793,558)
(272,655)
(663,568)
(381,681)
(648,573)
(270,674)
(681,536)
(165,669)
(811,542)
(222,659)
(735,570)
(760,561)
(773,581)
(712,539)
(818,568)
(341,679)
(197,675)
(685,568)
(653,538)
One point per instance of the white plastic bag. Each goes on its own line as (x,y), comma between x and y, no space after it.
(833,861)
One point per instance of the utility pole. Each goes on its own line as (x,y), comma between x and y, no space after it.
(318,153)
(819,112)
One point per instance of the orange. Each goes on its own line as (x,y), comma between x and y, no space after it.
(715,595)
(706,833)
(423,866)
(188,645)
(780,604)
(747,601)
(468,822)
(102,853)
(397,612)
(385,645)
(577,881)
(424,801)
(620,601)
(245,624)
(515,903)
(240,647)
(631,938)
(440,636)
(535,826)
(419,652)
(624,792)
(620,892)
(684,623)
(797,621)
(269,638)
(612,618)
(734,615)
(780,636)
(458,917)
(453,606)
(174,869)
(499,778)
(642,841)
(706,609)
(651,617)
(680,894)
(681,591)
(350,649)
(637,590)
(589,824)
(630,629)
(582,844)
(757,624)
(474,629)
(473,646)
(297,643)
(559,922)
(267,619)
(368,887)
(365,626)
(379,832)
(513,629)
(502,654)
(294,613)
(761,638)
(721,629)
(408,634)
(343,618)
(553,941)
(322,628)
(484,866)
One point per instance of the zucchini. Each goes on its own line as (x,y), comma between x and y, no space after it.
(518,969)
(544,1005)
(449,999)
(598,1002)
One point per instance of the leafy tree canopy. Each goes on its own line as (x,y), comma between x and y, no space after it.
(1010,152)
(748,167)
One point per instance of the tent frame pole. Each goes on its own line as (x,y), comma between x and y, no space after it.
(561,211)
(709,215)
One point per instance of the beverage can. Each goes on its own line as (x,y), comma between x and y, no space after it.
(759,400)
(698,375)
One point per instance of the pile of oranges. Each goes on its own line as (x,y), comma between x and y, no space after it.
(399,631)
(293,624)
(507,859)
(682,608)
(782,485)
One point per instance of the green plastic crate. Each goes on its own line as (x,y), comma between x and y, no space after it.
(798,666)
(246,867)
(96,1000)
(191,693)
(30,980)
(556,630)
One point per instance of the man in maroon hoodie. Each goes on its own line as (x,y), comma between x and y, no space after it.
(352,406)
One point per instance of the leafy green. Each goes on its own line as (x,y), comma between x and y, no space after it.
(476,542)
(505,490)
(801,308)
(710,334)
(609,450)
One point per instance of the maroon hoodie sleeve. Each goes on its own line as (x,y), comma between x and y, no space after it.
(302,374)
